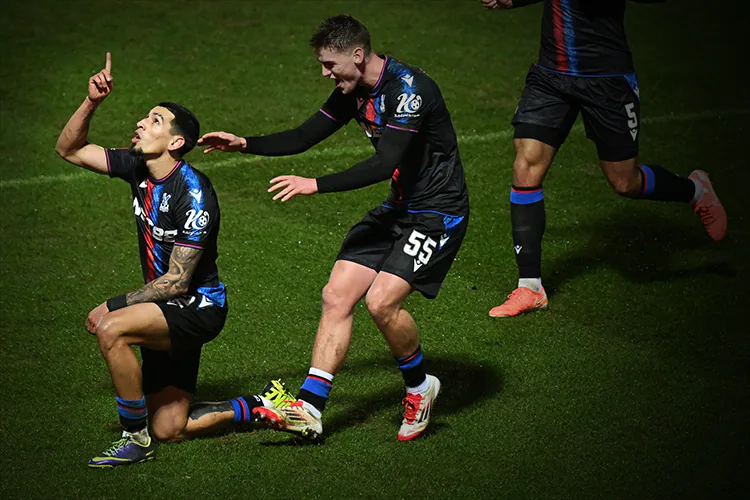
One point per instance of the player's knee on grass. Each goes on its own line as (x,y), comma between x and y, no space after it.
(169,425)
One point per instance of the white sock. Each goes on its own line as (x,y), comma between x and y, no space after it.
(314,411)
(266,402)
(530,283)
(698,192)
(421,388)
(141,436)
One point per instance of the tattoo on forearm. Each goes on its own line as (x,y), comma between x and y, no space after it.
(201,409)
(174,283)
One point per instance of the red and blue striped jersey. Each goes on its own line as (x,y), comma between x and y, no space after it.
(180,209)
(430,175)
(585,37)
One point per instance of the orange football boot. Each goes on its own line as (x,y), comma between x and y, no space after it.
(521,300)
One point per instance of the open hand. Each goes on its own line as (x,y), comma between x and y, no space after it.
(100,85)
(223,141)
(292,185)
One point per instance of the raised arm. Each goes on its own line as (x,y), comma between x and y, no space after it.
(73,145)
(290,142)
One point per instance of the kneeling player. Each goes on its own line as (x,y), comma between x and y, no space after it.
(183,304)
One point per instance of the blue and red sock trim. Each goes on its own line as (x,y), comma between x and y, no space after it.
(526,195)
(648,181)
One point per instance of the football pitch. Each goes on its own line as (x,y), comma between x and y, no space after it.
(634,384)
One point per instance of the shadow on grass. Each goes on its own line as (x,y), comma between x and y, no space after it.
(639,245)
(464,384)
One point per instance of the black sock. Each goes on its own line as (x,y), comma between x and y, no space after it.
(412,368)
(528,221)
(133,413)
(316,388)
(658,183)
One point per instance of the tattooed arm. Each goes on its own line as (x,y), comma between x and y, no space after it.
(72,144)
(175,282)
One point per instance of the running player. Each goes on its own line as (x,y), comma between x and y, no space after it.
(183,304)
(408,243)
(584,66)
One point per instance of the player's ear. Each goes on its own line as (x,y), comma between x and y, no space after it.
(359,55)
(176,143)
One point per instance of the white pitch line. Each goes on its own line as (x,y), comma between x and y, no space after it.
(332,153)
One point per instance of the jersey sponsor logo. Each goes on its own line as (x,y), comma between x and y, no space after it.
(408,104)
(164,205)
(158,233)
(409,79)
(197,194)
(197,219)
(420,247)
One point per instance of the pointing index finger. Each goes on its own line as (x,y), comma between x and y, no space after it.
(108,64)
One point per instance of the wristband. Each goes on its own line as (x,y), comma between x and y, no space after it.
(116,303)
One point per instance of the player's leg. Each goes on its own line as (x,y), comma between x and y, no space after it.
(611,114)
(542,122)
(420,260)
(347,284)
(116,332)
(212,417)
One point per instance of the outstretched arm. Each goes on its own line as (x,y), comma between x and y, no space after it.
(379,167)
(289,142)
(72,144)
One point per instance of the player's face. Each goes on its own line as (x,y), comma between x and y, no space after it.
(153,135)
(342,67)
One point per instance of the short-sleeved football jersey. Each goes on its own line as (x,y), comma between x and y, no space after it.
(430,175)
(180,209)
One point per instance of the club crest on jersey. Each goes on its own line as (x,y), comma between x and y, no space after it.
(164,206)
(408,104)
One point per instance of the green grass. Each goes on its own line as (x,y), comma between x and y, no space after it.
(633,385)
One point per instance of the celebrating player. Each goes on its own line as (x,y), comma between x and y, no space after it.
(183,304)
(584,66)
(408,243)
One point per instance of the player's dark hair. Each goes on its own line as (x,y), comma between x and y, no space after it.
(341,33)
(185,124)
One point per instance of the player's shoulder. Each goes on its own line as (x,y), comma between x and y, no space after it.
(192,180)
(407,74)
(408,79)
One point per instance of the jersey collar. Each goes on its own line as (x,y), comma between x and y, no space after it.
(163,179)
